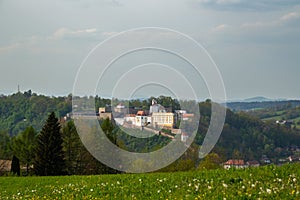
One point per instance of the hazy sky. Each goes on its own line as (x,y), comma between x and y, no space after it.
(255,44)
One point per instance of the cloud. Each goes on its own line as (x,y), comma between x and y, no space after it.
(219,28)
(287,18)
(66,32)
(93,3)
(27,42)
(9,48)
(37,43)
(242,5)
(108,34)
(290,16)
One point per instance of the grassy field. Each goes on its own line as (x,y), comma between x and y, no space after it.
(269,182)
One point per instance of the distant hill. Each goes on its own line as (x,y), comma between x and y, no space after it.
(255,105)
(257,99)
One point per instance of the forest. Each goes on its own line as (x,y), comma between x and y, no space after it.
(24,117)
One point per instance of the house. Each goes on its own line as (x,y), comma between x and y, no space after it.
(293,158)
(187,117)
(130,118)
(265,160)
(105,112)
(141,118)
(5,166)
(162,119)
(105,115)
(238,164)
(155,107)
(287,123)
(120,108)
(184,137)
(252,163)
(102,110)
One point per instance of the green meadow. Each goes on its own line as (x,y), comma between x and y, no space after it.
(269,182)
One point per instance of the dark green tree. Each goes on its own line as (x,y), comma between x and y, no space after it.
(15,166)
(23,146)
(108,128)
(76,155)
(49,155)
(5,152)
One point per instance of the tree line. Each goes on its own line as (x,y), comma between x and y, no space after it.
(56,150)
(243,137)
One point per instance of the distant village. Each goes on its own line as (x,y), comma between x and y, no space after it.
(156,119)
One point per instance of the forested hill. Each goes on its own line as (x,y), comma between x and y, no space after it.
(247,106)
(244,136)
(248,137)
(20,110)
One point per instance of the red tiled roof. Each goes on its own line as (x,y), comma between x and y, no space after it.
(187,115)
(235,162)
(141,113)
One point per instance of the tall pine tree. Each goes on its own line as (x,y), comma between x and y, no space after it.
(49,155)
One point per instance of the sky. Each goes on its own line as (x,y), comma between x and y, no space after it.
(255,44)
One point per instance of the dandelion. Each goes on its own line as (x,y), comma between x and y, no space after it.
(170,191)
(118,183)
(91,190)
(176,186)
(140,180)
(269,191)
(294,179)
(225,185)
(158,191)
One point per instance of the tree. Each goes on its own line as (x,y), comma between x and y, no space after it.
(108,128)
(110,132)
(23,146)
(211,161)
(49,155)
(4,147)
(76,155)
(15,166)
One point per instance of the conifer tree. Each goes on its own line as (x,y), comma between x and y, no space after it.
(49,155)
(15,166)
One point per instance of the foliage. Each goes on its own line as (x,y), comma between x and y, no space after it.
(74,150)
(5,152)
(247,137)
(268,182)
(247,106)
(15,166)
(49,157)
(211,161)
(244,136)
(23,146)
(21,110)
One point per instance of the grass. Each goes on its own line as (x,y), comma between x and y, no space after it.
(269,182)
